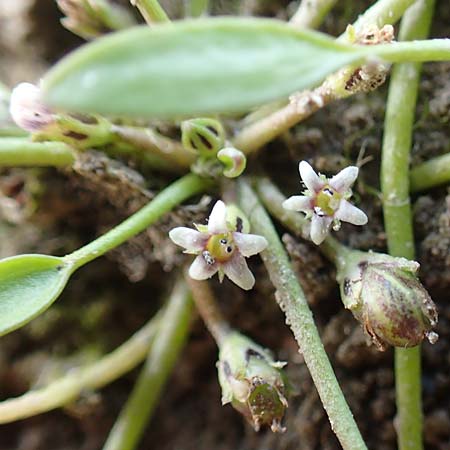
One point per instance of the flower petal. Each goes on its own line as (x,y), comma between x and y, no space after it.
(310,178)
(344,179)
(249,244)
(217,222)
(193,241)
(319,228)
(298,203)
(349,213)
(237,271)
(200,270)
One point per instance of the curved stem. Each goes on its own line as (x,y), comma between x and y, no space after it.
(208,309)
(23,152)
(170,338)
(292,301)
(432,173)
(151,11)
(311,13)
(166,200)
(397,139)
(71,386)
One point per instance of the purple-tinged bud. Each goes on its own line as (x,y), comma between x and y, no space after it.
(28,110)
(252,382)
(386,297)
(233,160)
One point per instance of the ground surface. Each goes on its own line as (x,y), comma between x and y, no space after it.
(51,212)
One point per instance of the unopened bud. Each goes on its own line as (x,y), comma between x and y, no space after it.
(234,161)
(252,382)
(203,136)
(386,297)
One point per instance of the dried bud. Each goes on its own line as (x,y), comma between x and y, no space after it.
(252,382)
(386,297)
(234,161)
(203,136)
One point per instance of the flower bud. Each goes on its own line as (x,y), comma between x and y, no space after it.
(203,136)
(252,382)
(233,160)
(386,297)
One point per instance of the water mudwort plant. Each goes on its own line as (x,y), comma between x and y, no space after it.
(198,123)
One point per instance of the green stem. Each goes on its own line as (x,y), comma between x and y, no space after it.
(196,8)
(432,173)
(311,13)
(23,152)
(68,388)
(208,309)
(151,11)
(292,301)
(169,341)
(166,200)
(397,140)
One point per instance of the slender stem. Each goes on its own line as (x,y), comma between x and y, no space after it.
(292,301)
(432,173)
(397,139)
(66,389)
(169,341)
(258,133)
(23,152)
(146,139)
(196,8)
(207,307)
(311,13)
(151,11)
(166,200)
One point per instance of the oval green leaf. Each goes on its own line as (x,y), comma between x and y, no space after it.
(29,284)
(194,67)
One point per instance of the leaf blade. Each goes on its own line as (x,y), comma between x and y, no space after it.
(202,66)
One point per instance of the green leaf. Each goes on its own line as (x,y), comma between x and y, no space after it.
(194,67)
(29,284)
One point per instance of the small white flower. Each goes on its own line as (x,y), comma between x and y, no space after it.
(219,248)
(27,108)
(325,201)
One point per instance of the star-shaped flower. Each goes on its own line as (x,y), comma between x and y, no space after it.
(220,248)
(325,201)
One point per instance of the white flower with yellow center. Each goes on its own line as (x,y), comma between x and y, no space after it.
(220,248)
(325,201)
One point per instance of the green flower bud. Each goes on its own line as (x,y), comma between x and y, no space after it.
(203,136)
(252,382)
(386,297)
(234,161)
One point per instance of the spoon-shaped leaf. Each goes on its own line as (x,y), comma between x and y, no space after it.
(29,284)
(194,67)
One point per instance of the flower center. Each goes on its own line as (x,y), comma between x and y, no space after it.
(221,246)
(327,199)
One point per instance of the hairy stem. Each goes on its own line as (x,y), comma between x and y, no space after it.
(432,173)
(292,301)
(208,309)
(68,388)
(166,200)
(23,152)
(397,140)
(171,336)
(311,13)
(151,11)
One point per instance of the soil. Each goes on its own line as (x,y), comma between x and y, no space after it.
(51,211)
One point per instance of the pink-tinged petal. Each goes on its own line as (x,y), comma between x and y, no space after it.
(193,241)
(319,228)
(217,222)
(26,108)
(237,271)
(310,178)
(201,270)
(343,181)
(249,244)
(349,213)
(298,203)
